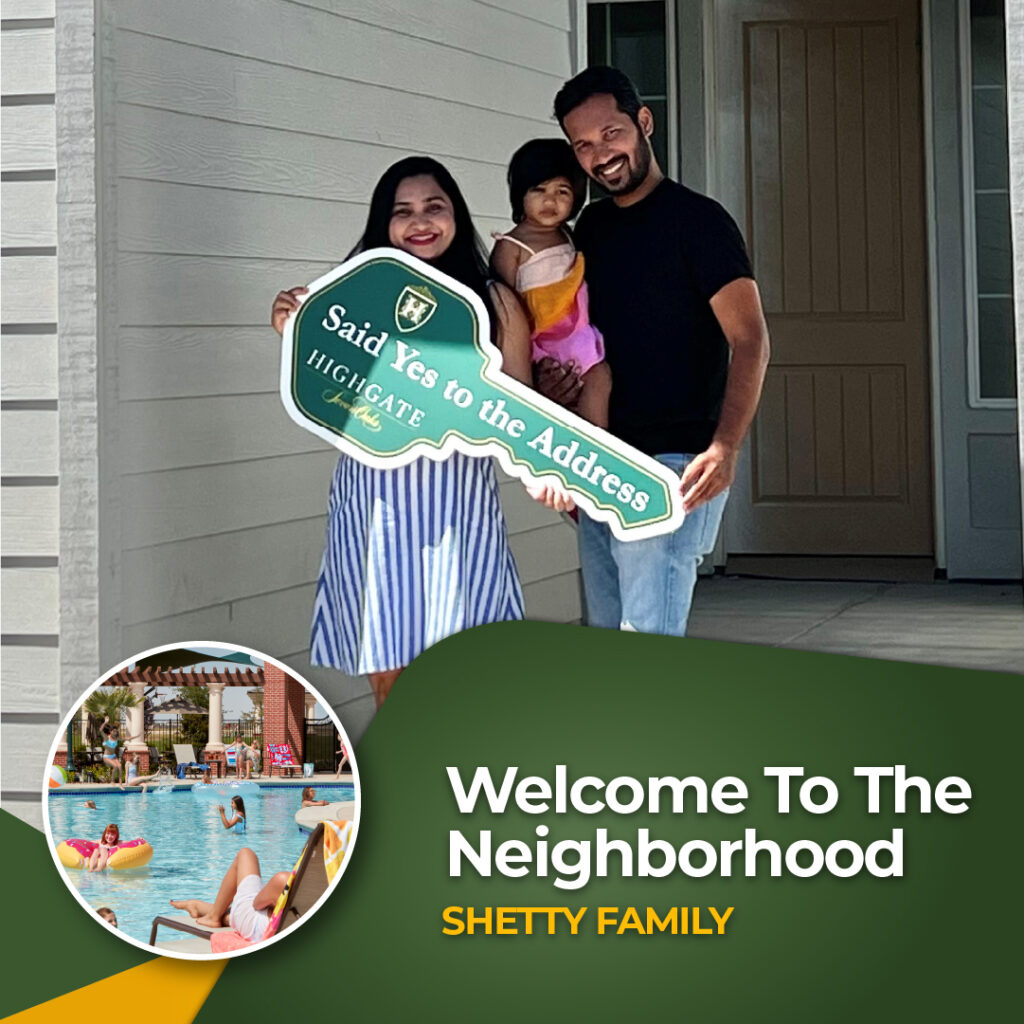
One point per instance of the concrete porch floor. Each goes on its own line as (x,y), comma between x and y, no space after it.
(965,625)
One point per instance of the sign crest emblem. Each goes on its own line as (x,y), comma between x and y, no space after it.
(414,307)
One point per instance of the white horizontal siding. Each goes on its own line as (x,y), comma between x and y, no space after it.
(169,146)
(28,213)
(25,746)
(29,442)
(26,9)
(186,291)
(31,610)
(275,620)
(245,140)
(178,577)
(29,138)
(27,61)
(286,35)
(30,518)
(166,75)
(30,604)
(197,501)
(30,366)
(180,362)
(29,289)
(29,677)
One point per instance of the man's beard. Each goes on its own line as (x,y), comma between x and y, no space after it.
(639,162)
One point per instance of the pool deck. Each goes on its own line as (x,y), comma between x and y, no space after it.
(182,786)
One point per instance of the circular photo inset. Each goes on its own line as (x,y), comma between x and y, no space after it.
(201,800)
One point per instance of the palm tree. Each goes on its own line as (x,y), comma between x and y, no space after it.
(107,704)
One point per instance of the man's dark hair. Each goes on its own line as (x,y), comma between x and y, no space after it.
(596,81)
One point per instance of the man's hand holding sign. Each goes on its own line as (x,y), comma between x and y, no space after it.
(389,360)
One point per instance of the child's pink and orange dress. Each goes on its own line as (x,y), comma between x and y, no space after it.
(551,284)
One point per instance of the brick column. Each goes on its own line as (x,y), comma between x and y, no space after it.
(284,707)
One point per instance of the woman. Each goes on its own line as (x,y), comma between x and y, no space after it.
(111,742)
(243,902)
(243,757)
(417,553)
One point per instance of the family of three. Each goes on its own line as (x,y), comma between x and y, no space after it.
(664,344)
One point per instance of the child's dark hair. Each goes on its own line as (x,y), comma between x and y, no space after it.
(597,81)
(540,160)
(239,805)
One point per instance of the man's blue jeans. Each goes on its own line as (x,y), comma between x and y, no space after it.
(647,585)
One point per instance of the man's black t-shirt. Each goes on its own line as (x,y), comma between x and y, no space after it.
(651,269)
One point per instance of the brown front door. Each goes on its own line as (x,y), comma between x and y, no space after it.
(819,155)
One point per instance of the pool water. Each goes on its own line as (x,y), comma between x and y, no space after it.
(191,847)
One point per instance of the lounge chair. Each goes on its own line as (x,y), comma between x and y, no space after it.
(187,763)
(280,756)
(307,883)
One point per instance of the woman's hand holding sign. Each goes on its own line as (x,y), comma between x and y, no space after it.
(285,303)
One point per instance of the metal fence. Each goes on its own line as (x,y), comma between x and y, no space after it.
(185,729)
(322,741)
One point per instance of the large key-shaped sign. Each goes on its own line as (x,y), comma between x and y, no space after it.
(389,360)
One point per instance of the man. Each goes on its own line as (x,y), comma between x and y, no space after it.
(672,291)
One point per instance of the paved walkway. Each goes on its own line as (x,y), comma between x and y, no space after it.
(967,625)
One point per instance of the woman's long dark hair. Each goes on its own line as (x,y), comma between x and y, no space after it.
(465,259)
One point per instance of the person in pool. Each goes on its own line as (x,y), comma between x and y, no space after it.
(108,915)
(243,902)
(237,819)
(307,798)
(104,848)
(90,805)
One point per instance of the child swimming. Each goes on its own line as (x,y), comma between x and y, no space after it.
(307,798)
(538,259)
(105,847)
(237,820)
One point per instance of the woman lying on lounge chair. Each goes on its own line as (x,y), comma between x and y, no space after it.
(243,902)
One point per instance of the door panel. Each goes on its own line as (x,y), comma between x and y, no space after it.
(819,156)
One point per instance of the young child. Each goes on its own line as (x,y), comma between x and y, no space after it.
(307,798)
(108,915)
(537,258)
(237,820)
(106,846)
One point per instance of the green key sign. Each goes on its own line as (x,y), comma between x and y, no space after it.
(389,360)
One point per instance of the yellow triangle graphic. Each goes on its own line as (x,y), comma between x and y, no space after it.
(178,987)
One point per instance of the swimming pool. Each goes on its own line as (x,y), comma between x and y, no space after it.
(191,847)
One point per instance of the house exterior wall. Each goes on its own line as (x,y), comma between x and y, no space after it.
(1015,100)
(31,459)
(239,145)
(223,151)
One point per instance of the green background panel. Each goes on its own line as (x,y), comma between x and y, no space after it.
(939,944)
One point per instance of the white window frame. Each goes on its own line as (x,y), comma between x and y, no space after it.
(671,75)
(974,396)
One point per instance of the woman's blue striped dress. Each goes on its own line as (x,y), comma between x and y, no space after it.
(412,555)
